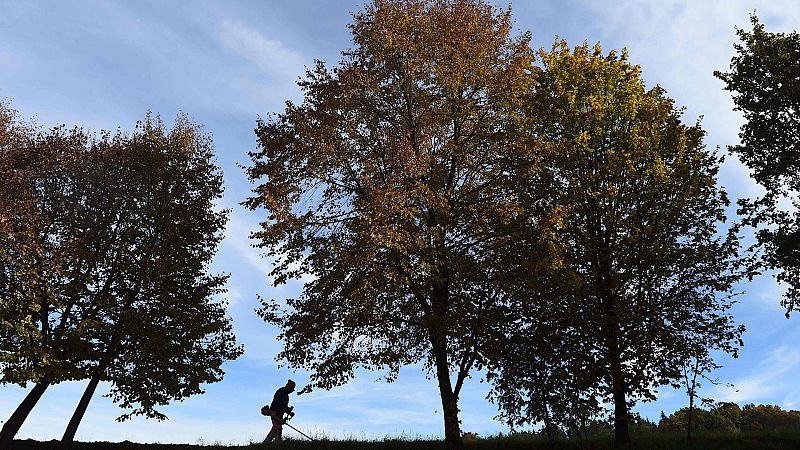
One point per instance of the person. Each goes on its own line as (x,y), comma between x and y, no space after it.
(278,408)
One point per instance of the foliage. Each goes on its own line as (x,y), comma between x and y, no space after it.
(158,332)
(646,278)
(37,338)
(764,78)
(768,418)
(729,418)
(702,421)
(130,221)
(387,189)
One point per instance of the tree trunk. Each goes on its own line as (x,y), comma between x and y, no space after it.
(689,420)
(452,429)
(584,428)
(77,416)
(16,420)
(622,437)
(692,388)
(548,425)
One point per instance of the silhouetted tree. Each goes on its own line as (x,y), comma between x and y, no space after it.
(40,341)
(159,333)
(132,223)
(696,370)
(388,189)
(765,82)
(536,375)
(637,234)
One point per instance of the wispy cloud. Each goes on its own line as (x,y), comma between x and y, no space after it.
(767,378)
(271,56)
(237,241)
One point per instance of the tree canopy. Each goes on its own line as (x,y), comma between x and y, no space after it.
(131,221)
(764,78)
(647,278)
(388,186)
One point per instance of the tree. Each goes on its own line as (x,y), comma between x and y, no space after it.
(638,231)
(765,82)
(158,333)
(768,418)
(696,369)
(132,219)
(703,421)
(36,336)
(535,375)
(388,189)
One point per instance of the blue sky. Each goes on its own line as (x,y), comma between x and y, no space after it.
(102,65)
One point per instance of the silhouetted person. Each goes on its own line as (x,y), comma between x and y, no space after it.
(278,408)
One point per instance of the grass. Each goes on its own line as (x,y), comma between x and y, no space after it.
(661,441)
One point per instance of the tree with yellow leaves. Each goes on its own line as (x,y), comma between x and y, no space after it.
(647,267)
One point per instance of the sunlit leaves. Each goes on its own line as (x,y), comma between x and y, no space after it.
(389,186)
(646,278)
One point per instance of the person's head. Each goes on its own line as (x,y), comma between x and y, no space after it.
(290,384)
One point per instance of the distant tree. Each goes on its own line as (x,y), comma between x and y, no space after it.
(703,421)
(640,210)
(696,370)
(132,219)
(768,418)
(765,82)
(388,189)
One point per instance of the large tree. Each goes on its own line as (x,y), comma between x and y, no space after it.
(645,272)
(36,336)
(764,78)
(158,332)
(388,189)
(132,220)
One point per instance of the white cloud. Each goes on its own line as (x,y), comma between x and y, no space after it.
(679,44)
(271,56)
(768,378)
(237,239)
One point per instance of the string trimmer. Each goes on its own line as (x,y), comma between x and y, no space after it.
(286,422)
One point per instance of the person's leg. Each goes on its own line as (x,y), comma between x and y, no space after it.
(279,428)
(275,431)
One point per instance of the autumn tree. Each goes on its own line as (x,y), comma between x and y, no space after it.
(133,221)
(158,333)
(764,78)
(387,188)
(638,231)
(37,338)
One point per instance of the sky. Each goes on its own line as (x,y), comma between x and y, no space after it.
(103,65)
